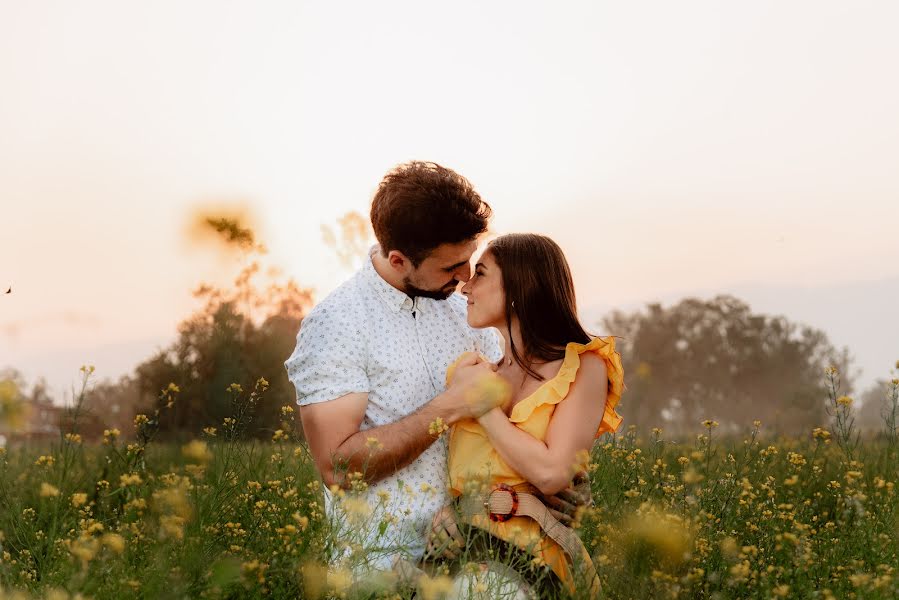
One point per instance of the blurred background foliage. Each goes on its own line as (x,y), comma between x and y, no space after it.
(697,359)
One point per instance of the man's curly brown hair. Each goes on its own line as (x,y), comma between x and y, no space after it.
(422,205)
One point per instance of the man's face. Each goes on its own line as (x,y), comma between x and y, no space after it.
(441,272)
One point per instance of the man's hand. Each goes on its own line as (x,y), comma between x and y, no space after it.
(566,504)
(444,539)
(476,386)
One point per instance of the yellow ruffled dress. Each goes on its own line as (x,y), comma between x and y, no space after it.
(472,458)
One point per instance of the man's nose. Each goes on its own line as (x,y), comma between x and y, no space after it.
(463,273)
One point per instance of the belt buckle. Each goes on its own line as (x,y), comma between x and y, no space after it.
(496,517)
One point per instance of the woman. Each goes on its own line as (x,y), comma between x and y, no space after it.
(560,388)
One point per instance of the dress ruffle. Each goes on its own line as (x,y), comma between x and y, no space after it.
(556,389)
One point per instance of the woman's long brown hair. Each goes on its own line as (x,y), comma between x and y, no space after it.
(540,292)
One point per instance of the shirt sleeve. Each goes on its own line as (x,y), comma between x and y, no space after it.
(488,343)
(329,359)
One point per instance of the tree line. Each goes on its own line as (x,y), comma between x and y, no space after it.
(694,360)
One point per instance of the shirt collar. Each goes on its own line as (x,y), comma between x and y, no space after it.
(392,297)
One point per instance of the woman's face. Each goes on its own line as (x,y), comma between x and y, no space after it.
(486,297)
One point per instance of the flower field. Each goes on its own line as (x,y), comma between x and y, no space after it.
(742,516)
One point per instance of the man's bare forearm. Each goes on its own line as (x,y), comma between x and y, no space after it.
(382,451)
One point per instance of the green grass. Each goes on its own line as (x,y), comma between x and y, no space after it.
(743,517)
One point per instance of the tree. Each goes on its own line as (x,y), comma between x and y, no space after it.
(241,334)
(716,359)
(878,410)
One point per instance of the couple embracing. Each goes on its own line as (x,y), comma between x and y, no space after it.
(394,356)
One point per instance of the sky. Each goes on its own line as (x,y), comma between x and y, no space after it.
(672,149)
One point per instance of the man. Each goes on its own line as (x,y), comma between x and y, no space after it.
(371,359)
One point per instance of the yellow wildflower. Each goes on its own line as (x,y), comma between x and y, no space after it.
(844,401)
(197,451)
(84,548)
(302,521)
(79,499)
(45,461)
(48,490)
(437,427)
(356,508)
(729,548)
(434,588)
(114,542)
(130,479)
(740,571)
(666,534)
(691,476)
(171,527)
(781,591)
(92,527)
(254,567)
(314,577)
(821,434)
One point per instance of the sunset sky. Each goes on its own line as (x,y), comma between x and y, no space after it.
(672,149)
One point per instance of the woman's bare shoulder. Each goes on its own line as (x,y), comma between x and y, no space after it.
(592,370)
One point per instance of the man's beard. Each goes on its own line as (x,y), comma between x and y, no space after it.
(439,294)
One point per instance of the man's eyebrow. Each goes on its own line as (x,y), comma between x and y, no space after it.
(456,266)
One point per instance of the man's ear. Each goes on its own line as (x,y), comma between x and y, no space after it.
(398,261)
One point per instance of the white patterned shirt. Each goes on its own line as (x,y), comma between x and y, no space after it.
(368,336)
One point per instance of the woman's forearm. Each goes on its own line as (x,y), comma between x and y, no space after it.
(530,457)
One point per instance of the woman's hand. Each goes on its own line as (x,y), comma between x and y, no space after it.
(481,388)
